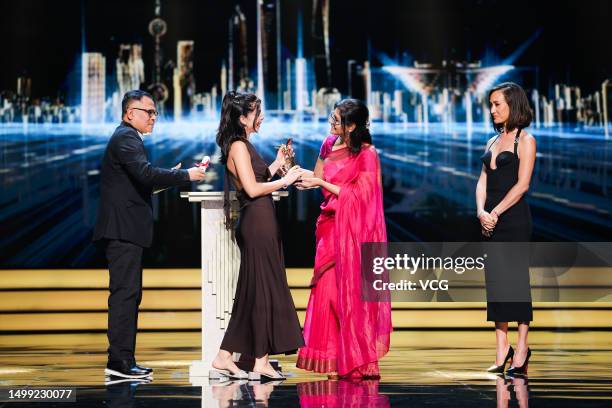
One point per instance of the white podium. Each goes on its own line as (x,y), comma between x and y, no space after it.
(220,266)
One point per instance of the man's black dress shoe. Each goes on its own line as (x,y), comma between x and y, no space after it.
(147,369)
(125,369)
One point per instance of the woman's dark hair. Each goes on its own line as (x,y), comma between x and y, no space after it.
(355,112)
(234,105)
(231,129)
(520,111)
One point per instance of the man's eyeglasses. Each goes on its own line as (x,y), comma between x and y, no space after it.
(332,120)
(150,112)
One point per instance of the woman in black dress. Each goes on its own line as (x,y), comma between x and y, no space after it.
(504,216)
(264,320)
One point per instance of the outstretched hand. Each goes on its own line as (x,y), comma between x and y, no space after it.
(293,174)
(308,182)
(197,173)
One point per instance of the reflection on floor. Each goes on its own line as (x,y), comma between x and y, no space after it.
(435,368)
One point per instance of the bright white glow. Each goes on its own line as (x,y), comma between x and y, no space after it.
(300,83)
(411,78)
(486,77)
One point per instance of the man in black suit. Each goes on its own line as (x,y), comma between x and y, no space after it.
(125,224)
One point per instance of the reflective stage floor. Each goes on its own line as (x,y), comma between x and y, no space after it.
(423,368)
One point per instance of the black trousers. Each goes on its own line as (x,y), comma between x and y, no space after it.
(125,269)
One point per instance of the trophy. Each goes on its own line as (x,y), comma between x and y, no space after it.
(289,158)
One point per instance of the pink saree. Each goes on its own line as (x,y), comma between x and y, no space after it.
(342,332)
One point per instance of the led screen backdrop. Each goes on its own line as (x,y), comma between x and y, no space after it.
(423,67)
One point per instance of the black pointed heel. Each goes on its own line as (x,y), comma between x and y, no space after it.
(522,370)
(499,369)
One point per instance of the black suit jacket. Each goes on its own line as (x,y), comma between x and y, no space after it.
(127,180)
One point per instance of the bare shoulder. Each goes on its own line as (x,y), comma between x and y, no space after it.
(526,136)
(238,146)
(238,151)
(491,140)
(527,139)
(526,145)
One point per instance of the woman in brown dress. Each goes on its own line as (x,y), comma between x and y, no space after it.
(264,320)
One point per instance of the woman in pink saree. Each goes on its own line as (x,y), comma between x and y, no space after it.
(345,336)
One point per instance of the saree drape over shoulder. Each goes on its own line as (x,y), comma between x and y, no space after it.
(342,332)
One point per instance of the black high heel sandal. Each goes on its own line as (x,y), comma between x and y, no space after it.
(522,370)
(499,369)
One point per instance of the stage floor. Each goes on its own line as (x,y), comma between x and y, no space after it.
(433,368)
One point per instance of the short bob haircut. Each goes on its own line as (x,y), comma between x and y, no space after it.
(520,111)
